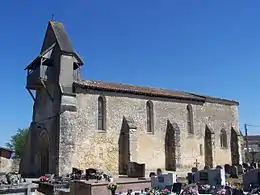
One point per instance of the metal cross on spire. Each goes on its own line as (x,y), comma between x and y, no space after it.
(52,17)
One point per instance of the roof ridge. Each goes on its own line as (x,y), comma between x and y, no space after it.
(150,91)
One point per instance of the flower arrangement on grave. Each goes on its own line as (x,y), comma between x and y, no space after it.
(44,178)
(165,192)
(221,191)
(112,187)
(204,188)
(190,190)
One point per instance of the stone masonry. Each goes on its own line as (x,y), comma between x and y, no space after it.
(64,131)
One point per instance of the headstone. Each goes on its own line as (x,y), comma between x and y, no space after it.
(253,165)
(136,170)
(176,188)
(245,165)
(227,168)
(152,174)
(190,178)
(234,172)
(90,174)
(252,177)
(163,180)
(213,177)
(240,169)
(194,169)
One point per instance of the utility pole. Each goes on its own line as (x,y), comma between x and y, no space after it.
(247,148)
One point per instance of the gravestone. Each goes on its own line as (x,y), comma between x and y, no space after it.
(234,172)
(253,165)
(90,174)
(227,168)
(213,177)
(136,170)
(164,180)
(245,165)
(240,169)
(194,169)
(190,178)
(251,177)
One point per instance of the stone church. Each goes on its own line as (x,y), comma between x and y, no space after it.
(89,123)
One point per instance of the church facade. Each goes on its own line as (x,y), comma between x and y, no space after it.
(86,123)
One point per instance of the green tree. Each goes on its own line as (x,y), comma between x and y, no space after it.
(18,142)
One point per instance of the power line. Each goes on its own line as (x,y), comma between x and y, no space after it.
(249,125)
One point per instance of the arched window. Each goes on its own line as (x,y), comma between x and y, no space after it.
(190,119)
(101,113)
(223,139)
(149,110)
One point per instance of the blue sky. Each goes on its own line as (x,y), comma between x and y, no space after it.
(208,47)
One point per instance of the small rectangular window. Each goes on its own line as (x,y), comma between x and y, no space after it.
(201,150)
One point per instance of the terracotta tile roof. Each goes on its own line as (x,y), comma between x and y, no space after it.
(149,91)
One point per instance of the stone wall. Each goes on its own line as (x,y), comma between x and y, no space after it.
(89,147)
(45,125)
(5,165)
(9,165)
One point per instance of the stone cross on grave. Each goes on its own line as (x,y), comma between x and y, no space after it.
(196,163)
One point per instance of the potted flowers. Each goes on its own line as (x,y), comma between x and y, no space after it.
(112,187)
(190,190)
(44,178)
(165,192)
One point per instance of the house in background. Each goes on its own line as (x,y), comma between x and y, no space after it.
(5,159)
(252,154)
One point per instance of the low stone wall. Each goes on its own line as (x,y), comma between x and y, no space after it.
(5,165)
(9,165)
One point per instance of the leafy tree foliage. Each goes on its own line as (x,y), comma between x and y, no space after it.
(18,142)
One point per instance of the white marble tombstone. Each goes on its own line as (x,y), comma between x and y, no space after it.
(213,177)
(251,177)
(163,180)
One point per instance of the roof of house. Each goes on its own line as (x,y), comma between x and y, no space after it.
(6,149)
(149,91)
(253,137)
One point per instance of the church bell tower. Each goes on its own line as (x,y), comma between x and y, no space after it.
(57,63)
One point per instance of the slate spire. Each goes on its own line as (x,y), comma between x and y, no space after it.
(56,33)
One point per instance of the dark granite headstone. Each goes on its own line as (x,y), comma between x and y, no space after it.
(136,170)
(245,165)
(91,173)
(227,168)
(190,178)
(240,169)
(76,173)
(194,169)
(176,188)
(234,172)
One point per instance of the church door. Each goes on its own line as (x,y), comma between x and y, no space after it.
(170,149)
(208,148)
(234,147)
(124,149)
